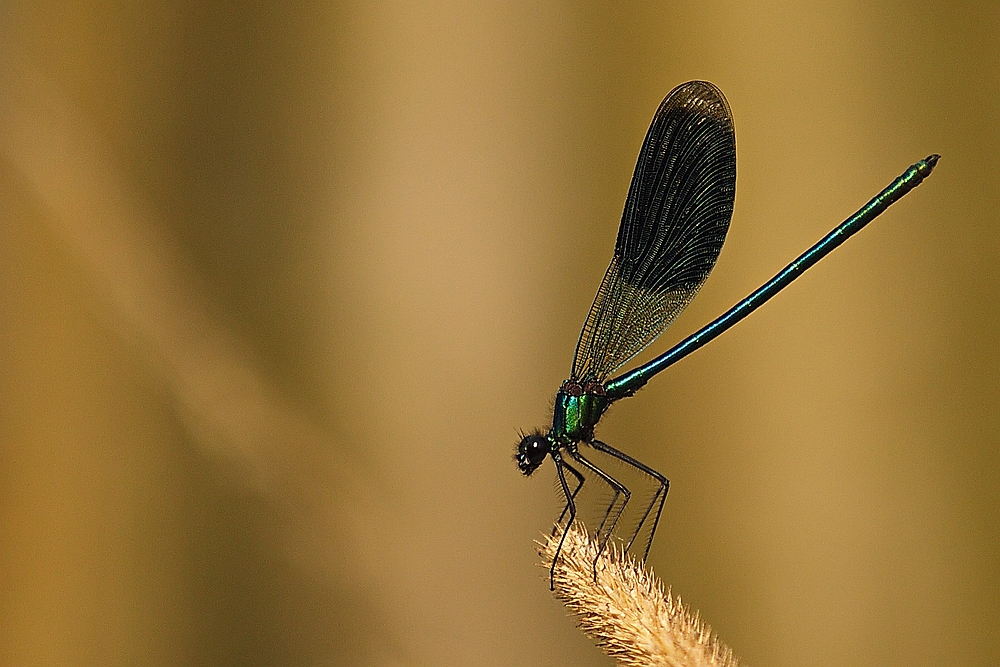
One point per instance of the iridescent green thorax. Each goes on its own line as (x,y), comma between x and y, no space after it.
(579,406)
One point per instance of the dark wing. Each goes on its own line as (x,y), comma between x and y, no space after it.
(675,222)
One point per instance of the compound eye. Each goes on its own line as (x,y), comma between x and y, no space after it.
(531,452)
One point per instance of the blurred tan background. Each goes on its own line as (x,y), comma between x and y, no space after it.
(281,282)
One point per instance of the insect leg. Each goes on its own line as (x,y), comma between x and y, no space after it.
(579,485)
(607,527)
(659,498)
(570,506)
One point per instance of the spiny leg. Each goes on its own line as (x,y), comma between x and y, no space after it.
(659,498)
(616,486)
(571,506)
(619,489)
(579,485)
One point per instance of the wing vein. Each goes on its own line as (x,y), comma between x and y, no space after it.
(673,226)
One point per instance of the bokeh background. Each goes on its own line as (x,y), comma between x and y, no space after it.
(280,282)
